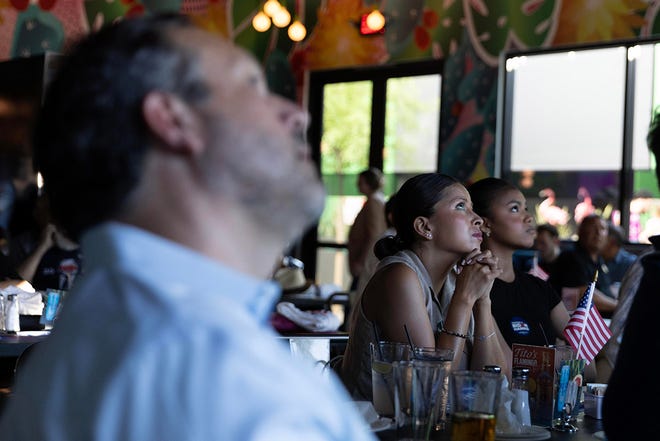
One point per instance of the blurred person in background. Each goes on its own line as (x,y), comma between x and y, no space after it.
(369,224)
(55,260)
(54,263)
(575,268)
(616,257)
(548,245)
(6,191)
(17,185)
(629,286)
(184,179)
(28,218)
(372,260)
(7,271)
(639,214)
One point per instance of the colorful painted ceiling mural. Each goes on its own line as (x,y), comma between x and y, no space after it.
(468,34)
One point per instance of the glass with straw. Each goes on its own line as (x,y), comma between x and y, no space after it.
(383,354)
(443,358)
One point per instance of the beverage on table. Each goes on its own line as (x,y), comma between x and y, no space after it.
(475,398)
(382,382)
(473,426)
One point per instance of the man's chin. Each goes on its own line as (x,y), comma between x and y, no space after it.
(316,204)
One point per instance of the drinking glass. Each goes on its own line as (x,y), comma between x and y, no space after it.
(383,355)
(569,375)
(475,398)
(419,391)
(445,357)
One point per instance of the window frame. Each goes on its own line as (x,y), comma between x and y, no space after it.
(378,75)
(504,117)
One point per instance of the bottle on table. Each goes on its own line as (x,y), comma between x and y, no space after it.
(520,378)
(495,369)
(520,402)
(12,322)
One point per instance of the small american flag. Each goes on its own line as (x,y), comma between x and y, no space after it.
(537,271)
(586,331)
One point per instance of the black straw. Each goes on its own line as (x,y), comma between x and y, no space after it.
(545,337)
(412,346)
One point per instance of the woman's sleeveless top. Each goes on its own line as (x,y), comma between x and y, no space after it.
(355,370)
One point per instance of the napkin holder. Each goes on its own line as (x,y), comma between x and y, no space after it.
(593,405)
(593,400)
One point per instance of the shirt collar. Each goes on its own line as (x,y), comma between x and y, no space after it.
(177,271)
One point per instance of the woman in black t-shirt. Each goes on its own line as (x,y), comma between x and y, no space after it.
(527,309)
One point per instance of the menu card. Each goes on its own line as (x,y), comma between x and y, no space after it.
(541,363)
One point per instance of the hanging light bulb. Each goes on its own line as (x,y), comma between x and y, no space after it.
(375,20)
(297,31)
(282,18)
(261,22)
(271,7)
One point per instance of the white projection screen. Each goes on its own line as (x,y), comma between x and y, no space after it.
(568,110)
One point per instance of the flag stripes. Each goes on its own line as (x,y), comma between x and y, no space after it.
(586,330)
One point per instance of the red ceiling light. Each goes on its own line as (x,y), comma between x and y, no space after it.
(372,23)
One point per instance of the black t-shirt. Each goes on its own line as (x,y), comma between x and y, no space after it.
(57,268)
(522,309)
(575,268)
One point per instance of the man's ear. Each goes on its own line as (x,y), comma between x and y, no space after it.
(173,122)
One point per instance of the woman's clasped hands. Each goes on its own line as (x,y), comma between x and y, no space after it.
(475,274)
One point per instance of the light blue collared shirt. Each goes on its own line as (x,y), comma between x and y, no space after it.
(158,342)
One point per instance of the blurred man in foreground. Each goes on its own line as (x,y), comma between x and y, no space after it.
(164,152)
(627,412)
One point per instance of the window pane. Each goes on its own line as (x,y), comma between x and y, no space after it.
(344,153)
(563,199)
(337,218)
(567,134)
(412,124)
(332,268)
(568,110)
(346,127)
(644,68)
(645,200)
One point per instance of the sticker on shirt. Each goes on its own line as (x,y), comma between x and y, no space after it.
(519,326)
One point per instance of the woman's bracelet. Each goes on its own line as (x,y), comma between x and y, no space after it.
(485,337)
(455,334)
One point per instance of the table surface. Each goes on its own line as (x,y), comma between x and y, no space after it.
(587,427)
(337,335)
(13,345)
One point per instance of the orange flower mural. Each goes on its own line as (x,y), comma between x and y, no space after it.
(582,21)
(213,18)
(336,41)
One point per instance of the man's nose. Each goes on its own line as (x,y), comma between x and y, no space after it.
(294,117)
